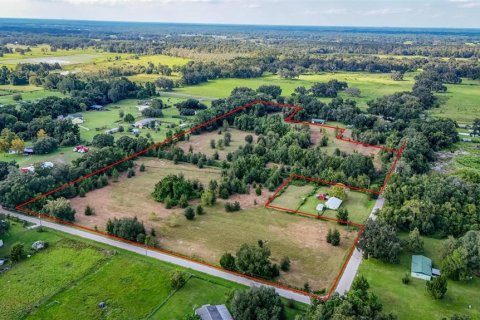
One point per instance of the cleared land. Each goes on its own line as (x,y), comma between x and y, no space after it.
(303,198)
(96,122)
(385,281)
(201,142)
(210,235)
(372,85)
(61,155)
(461,102)
(80,274)
(28,93)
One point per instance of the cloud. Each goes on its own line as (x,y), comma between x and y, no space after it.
(127,2)
(334,11)
(466,3)
(387,11)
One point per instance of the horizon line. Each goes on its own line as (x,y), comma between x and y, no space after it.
(243,24)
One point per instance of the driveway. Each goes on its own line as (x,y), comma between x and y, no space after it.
(352,266)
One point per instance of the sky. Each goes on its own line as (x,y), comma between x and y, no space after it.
(381,13)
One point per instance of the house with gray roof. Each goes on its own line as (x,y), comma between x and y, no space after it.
(209,312)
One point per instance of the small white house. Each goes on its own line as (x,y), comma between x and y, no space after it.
(320,207)
(209,312)
(333,203)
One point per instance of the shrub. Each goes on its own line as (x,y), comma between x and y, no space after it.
(142,167)
(89,211)
(17,252)
(406,279)
(285,264)
(232,207)
(189,213)
(177,280)
(199,210)
(437,287)
(227,261)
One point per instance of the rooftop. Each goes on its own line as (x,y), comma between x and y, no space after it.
(422,264)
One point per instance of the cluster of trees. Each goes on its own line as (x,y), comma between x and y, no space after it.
(251,259)
(127,228)
(27,73)
(175,189)
(461,257)
(189,107)
(435,204)
(17,187)
(358,303)
(93,90)
(257,303)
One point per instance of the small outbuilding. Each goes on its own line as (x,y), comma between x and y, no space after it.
(320,207)
(112,131)
(1,243)
(28,151)
(421,267)
(209,312)
(320,121)
(333,203)
(96,107)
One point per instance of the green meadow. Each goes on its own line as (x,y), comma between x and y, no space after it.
(81,274)
(412,301)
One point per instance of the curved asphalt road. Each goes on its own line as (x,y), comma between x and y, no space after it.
(159,256)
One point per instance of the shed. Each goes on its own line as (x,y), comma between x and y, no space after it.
(96,107)
(320,207)
(333,203)
(1,243)
(28,151)
(144,122)
(136,131)
(421,267)
(112,131)
(321,121)
(209,312)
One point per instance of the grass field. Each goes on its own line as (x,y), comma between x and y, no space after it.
(109,119)
(28,95)
(412,301)
(59,266)
(461,102)
(372,85)
(62,155)
(359,205)
(303,198)
(208,236)
(73,275)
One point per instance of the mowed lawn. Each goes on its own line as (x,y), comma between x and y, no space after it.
(303,198)
(208,236)
(412,301)
(96,122)
(70,278)
(372,85)
(35,279)
(61,155)
(461,102)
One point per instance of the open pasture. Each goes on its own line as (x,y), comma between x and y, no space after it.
(208,236)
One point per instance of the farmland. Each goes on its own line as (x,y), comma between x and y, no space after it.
(208,236)
(385,281)
(82,274)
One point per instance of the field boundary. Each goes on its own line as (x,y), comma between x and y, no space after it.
(289,118)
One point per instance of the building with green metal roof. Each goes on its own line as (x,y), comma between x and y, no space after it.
(421,267)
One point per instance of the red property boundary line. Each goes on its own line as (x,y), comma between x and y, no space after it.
(296,109)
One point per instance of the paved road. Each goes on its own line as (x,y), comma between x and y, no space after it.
(352,267)
(157,255)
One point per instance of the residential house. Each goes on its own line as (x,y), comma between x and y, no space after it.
(209,312)
(333,203)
